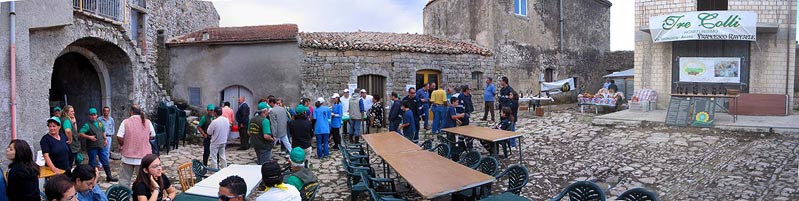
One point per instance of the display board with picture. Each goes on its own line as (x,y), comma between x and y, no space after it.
(710,69)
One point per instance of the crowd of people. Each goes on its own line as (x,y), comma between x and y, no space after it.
(273,124)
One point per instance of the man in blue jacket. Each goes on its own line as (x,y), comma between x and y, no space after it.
(394,114)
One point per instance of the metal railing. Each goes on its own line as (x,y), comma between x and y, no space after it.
(111,9)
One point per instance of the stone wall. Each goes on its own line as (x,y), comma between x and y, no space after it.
(48,29)
(325,72)
(768,55)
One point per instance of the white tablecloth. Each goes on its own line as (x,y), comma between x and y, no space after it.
(209,187)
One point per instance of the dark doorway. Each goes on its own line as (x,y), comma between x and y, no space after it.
(75,82)
(374,84)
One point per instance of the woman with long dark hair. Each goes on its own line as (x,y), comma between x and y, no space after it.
(23,173)
(151,183)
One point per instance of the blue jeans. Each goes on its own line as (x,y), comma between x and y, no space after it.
(263,155)
(107,148)
(425,115)
(512,141)
(93,152)
(322,141)
(439,117)
(355,127)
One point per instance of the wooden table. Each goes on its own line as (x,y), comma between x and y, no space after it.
(45,172)
(209,187)
(389,142)
(432,175)
(493,136)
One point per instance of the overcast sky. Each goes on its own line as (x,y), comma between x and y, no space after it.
(402,16)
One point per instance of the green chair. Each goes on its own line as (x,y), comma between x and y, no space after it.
(638,194)
(442,150)
(355,180)
(582,191)
(470,159)
(118,193)
(427,145)
(507,196)
(517,178)
(200,170)
(487,165)
(375,196)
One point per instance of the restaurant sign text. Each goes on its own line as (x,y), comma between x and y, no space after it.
(704,25)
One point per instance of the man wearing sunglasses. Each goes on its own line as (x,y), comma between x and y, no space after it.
(233,188)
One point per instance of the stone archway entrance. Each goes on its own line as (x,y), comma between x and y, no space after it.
(92,72)
(76,82)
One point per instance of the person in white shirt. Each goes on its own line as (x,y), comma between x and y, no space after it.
(134,135)
(345,106)
(219,131)
(276,190)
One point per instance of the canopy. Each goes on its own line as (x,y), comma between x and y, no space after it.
(625,73)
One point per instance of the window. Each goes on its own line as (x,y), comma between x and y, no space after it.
(477,80)
(137,30)
(549,75)
(194,96)
(520,7)
(702,5)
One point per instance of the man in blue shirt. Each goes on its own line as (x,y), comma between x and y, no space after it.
(465,104)
(414,107)
(395,113)
(454,118)
(408,126)
(424,97)
(488,97)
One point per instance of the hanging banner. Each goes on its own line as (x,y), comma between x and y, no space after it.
(704,25)
(564,85)
(710,69)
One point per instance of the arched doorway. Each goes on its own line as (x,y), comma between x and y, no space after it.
(76,82)
(232,93)
(92,72)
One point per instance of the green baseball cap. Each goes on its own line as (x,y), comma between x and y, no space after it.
(92,111)
(56,109)
(210,107)
(297,155)
(54,119)
(300,109)
(263,106)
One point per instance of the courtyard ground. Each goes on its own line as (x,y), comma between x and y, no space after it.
(564,147)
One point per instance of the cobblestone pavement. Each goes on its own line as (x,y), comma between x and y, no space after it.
(677,163)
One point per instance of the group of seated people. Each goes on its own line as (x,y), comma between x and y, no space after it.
(151,184)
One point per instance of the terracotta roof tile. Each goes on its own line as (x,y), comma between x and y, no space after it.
(261,33)
(387,42)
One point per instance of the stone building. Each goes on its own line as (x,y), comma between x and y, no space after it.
(387,62)
(766,66)
(533,39)
(220,64)
(88,53)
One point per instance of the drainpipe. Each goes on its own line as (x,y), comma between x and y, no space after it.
(560,20)
(13,26)
(788,54)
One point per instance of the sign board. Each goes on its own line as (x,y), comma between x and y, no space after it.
(704,25)
(703,113)
(710,69)
(564,85)
(679,111)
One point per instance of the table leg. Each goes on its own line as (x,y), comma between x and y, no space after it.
(520,149)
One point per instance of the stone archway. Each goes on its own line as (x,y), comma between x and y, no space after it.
(92,72)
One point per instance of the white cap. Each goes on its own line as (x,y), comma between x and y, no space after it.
(320,99)
(346,90)
(363,90)
(335,95)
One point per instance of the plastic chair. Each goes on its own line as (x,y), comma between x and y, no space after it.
(582,191)
(355,180)
(379,197)
(470,159)
(180,128)
(118,193)
(517,178)
(309,191)
(442,150)
(375,183)
(200,170)
(427,145)
(638,194)
(488,165)
(186,176)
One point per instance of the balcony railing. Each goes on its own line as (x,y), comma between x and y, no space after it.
(111,9)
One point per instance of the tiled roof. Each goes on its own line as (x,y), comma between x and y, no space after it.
(263,33)
(379,41)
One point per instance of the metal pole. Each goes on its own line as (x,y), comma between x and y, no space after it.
(12,29)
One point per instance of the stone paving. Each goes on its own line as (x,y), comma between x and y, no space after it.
(563,147)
